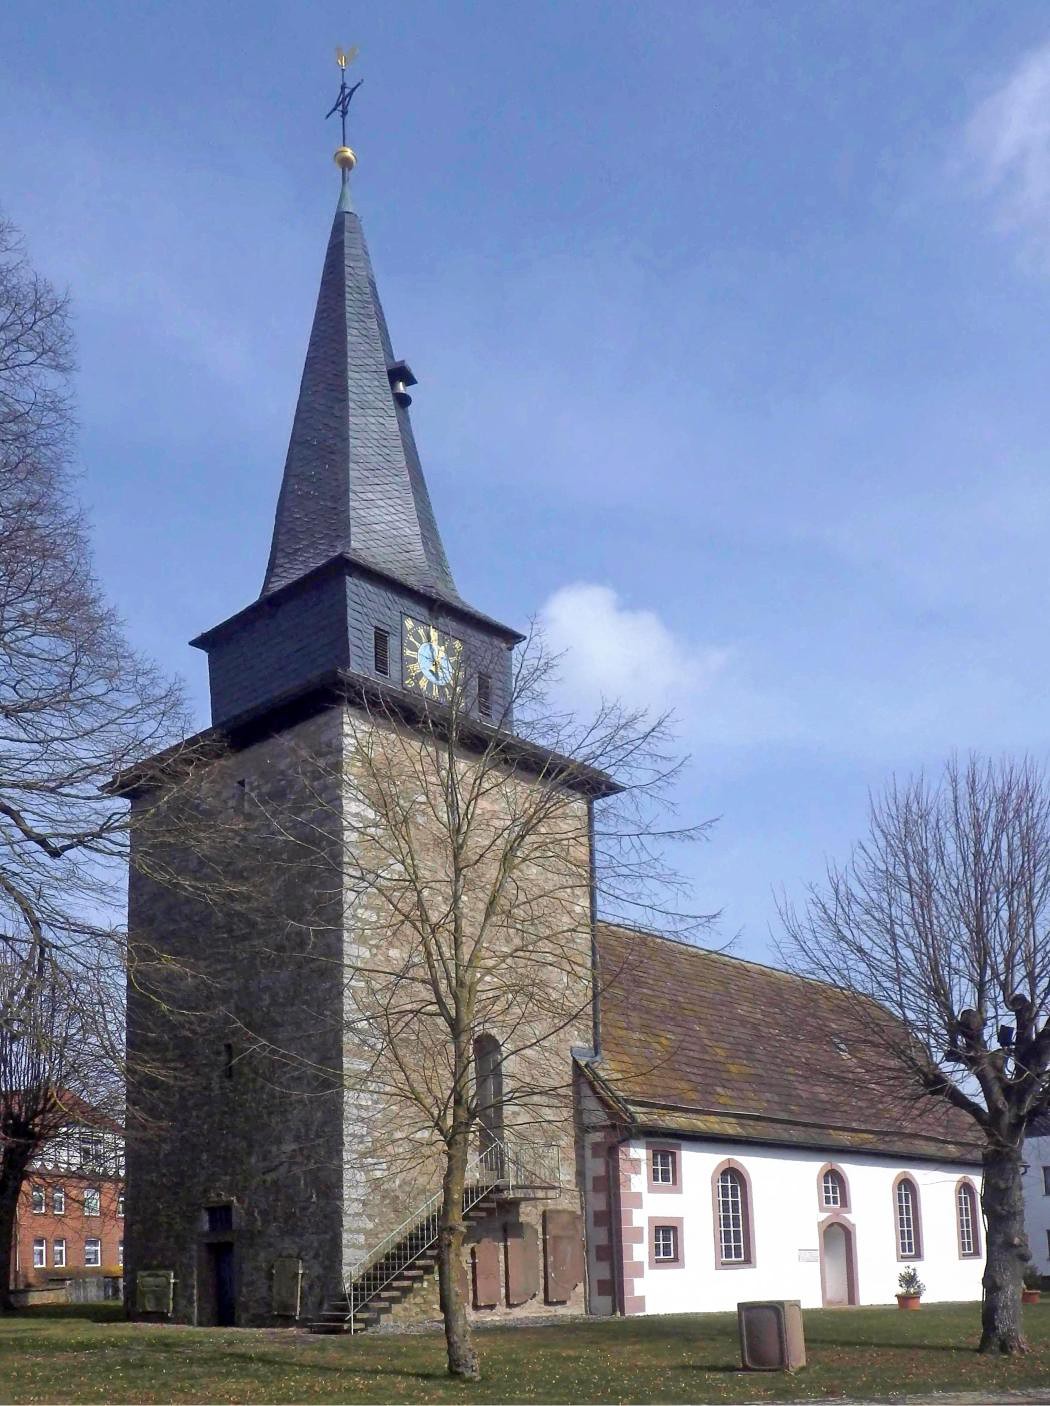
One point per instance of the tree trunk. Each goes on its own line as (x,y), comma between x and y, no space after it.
(1007,1252)
(462,1357)
(13,1166)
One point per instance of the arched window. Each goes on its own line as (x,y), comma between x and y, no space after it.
(733,1241)
(909,1229)
(968,1220)
(834,1193)
(488,1076)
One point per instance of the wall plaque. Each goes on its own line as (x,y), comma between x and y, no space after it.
(808,1256)
(486,1274)
(287,1285)
(154,1290)
(523,1262)
(562,1253)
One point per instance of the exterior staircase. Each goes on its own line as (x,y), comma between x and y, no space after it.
(396,1267)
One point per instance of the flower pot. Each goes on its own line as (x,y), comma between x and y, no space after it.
(1030,1295)
(908,1301)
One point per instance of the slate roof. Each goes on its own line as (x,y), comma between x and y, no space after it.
(353,482)
(703,1044)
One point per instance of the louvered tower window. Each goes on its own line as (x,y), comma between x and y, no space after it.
(485,695)
(381,651)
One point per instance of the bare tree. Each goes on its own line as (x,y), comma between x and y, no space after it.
(56,1055)
(77,705)
(942,918)
(460,851)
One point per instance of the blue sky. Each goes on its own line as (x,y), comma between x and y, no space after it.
(730,327)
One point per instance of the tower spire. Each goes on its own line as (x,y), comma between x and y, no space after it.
(353,482)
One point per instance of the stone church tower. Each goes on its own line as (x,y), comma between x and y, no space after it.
(248,1199)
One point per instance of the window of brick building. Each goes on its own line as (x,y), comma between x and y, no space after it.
(92,1201)
(120,1253)
(39,1254)
(92,1253)
(58,1200)
(38,1200)
(120,1204)
(58,1256)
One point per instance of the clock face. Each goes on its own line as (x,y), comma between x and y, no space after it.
(430,658)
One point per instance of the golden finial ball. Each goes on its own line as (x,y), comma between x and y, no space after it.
(344,158)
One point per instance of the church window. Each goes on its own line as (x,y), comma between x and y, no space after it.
(485,695)
(92,1253)
(909,1238)
(833,1194)
(664,1168)
(734,1217)
(92,1201)
(969,1234)
(39,1254)
(665,1242)
(58,1200)
(381,651)
(38,1200)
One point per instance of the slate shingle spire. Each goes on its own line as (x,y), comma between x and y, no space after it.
(352,479)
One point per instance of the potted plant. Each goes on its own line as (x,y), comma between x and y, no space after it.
(911,1288)
(1032,1282)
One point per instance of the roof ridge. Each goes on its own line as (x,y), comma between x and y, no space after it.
(688,946)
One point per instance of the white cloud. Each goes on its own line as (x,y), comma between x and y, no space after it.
(630,656)
(1008,142)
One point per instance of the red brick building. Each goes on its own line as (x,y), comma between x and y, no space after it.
(70,1220)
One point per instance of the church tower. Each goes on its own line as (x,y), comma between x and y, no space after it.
(252,1187)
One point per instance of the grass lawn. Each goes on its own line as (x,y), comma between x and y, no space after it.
(82,1354)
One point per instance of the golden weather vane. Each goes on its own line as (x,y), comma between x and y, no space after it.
(344,157)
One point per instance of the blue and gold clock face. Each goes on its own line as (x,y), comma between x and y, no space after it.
(430,658)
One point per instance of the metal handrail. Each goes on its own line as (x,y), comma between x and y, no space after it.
(499,1165)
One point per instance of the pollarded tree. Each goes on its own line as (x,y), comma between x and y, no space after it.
(942,918)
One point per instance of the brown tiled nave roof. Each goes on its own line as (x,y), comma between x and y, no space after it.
(703,1044)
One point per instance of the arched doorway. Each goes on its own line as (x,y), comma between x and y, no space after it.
(837,1267)
(488,1075)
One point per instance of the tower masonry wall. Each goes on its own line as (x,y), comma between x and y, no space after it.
(534,987)
(234,1033)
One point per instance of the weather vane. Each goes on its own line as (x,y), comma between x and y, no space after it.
(344,157)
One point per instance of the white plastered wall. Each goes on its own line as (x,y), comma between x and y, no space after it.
(1037,1201)
(787,1220)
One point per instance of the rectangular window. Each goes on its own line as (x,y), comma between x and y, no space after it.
(665,1242)
(92,1201)
(39,1254)
(485,695)
(92,1253)
(120,1253)
(663,1168)
(58,1200)
(120,1205)
(220,1217)
(381,651)
(92,1151)
(1046,1181)
(58,1258)
(38,1200)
